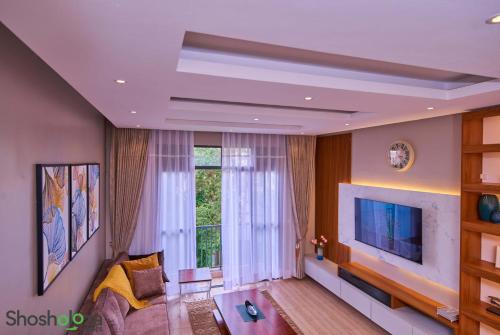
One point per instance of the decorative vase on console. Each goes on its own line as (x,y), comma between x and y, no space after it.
(320,247)
(488,205)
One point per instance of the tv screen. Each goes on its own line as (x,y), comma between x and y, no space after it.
(394,228)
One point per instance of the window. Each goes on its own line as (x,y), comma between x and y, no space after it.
(208,206)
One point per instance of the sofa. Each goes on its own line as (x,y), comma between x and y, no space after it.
(111,314)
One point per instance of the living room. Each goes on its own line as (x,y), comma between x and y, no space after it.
(174,167)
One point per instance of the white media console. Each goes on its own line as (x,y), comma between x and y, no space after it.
(400,321)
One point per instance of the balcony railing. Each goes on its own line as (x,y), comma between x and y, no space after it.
(208,246)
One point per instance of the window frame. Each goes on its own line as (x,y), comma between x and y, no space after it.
(209,167)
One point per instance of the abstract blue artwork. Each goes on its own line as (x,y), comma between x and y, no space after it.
(53,222)
(94,185)
(79,214)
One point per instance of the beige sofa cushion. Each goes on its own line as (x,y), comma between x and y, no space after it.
(123,304)
(107,307)
(148,282)
(150,320)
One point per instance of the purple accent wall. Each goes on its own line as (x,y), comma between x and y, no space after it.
(42,120)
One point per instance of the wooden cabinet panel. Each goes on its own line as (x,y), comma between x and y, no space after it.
(333,166)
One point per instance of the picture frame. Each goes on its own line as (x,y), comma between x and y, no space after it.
(53,222)
(79,207)
(93,200)
(67,215)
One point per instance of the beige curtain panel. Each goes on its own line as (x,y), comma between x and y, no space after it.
(301,151)
(127,168)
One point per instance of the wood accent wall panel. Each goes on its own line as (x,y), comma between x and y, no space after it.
(333,166)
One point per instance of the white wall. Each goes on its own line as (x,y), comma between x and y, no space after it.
(42,120)
(440,234)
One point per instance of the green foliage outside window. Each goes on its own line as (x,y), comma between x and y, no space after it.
(208,206)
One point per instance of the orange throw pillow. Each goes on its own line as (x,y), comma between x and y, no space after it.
(140,264)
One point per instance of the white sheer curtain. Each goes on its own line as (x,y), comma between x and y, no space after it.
(167,213)
(258,237)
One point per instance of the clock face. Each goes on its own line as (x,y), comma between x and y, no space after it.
(401,155)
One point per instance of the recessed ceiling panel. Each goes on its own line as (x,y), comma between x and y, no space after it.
(257,105)
(230,51)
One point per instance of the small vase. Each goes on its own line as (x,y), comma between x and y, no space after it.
(495,217)
(319,255)
(488,203)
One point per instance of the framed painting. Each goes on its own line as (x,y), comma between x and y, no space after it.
(53,222)
(79,203)
(93,182)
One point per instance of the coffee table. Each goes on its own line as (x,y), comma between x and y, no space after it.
(192,276)
(230,321)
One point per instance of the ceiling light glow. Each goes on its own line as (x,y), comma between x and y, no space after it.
(308,98)
(430,108)
(133,112)
(256,119)
(347,124)
(120,81)
(494,19)
(138,126)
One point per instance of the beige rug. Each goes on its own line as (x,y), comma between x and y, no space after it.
(203,322)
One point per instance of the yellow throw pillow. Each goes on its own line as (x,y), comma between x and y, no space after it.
(140,264)
(117,281)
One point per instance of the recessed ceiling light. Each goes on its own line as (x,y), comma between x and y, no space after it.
(120,81)
(347,124)
(494,19)
(138,126)
(302,133)
(308,98)
(430,108)
(133,112)
(256,119)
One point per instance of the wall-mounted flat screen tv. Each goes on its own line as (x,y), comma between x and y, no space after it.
(394,228)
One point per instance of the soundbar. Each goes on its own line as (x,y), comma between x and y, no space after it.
(369,289)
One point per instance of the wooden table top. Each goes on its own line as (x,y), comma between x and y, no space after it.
(273,324)
(194,275)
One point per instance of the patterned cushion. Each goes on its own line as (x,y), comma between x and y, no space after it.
(148,283)
(107,307)
(161,260)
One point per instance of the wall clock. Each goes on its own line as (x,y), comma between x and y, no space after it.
(401,155)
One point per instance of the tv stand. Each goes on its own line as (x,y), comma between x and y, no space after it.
(409,313)
(403,294)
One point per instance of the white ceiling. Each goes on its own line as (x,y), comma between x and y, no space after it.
(90,43)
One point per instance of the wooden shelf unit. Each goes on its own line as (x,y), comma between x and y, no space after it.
(482,188)
(400,294)
(479,226)
(479,313)
(480,148)
(472,267)
(482,269)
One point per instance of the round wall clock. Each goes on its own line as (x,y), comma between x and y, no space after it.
(401,155)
